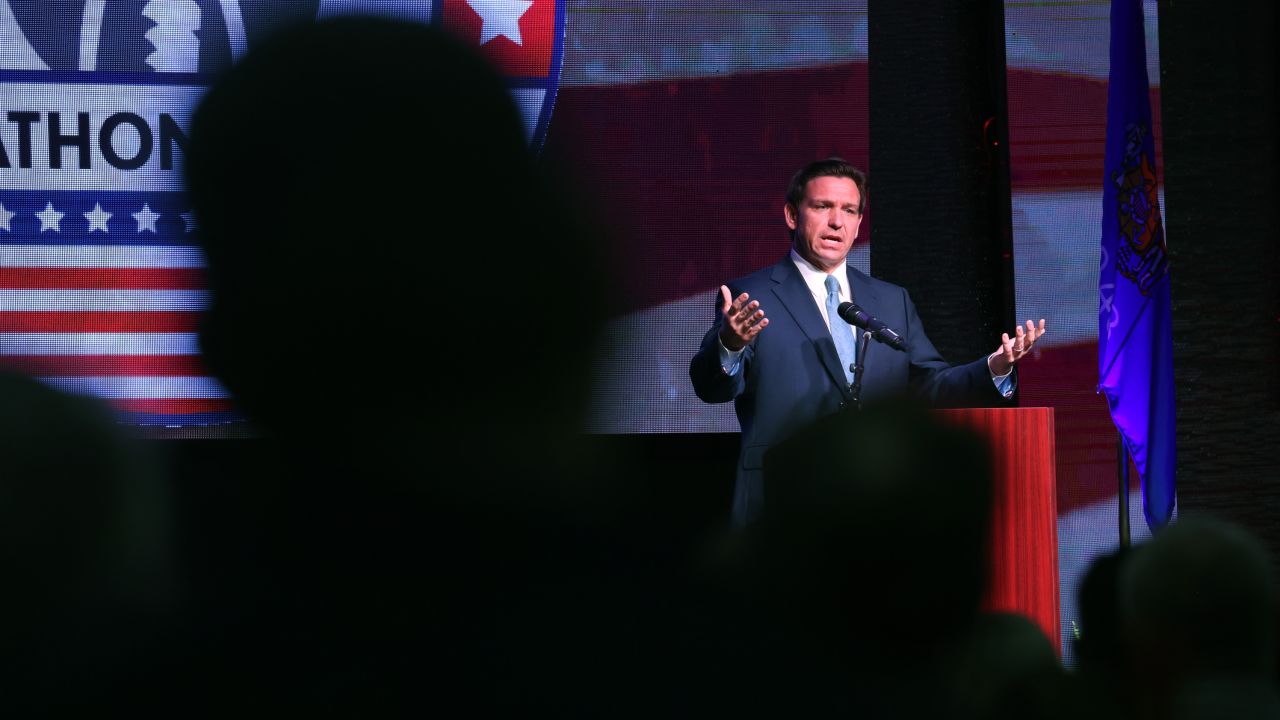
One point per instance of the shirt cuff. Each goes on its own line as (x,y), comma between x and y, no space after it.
(730,360)
(1004,383)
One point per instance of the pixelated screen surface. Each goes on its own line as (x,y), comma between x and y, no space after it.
(684,122)
(101,282)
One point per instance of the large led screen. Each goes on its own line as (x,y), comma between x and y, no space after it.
(101,283)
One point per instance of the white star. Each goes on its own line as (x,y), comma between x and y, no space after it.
(98,218)
(5,217)
(501,17)
(189,218)
(146,219)
(49,218)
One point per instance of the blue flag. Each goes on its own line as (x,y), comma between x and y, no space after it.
(1135,345)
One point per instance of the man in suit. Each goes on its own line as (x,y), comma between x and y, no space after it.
(792,367)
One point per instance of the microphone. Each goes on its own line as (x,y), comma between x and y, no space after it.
(856,316)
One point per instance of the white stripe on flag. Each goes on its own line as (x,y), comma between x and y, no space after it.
(147,388)
(105,256)
(102,300)
(98,344)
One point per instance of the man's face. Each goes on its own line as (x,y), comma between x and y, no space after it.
(826,223)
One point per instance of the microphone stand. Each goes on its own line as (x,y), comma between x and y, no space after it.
(859,364)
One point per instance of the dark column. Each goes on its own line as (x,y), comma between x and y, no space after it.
(1218,86)
(939,190)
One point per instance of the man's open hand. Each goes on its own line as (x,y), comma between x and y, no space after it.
(1013,349)
(742,320)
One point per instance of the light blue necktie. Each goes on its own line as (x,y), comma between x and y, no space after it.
(841,331)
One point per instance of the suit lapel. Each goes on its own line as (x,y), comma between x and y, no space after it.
(798,301)
(860,288)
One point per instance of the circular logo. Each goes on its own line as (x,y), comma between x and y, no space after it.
(524,39)
(98,244)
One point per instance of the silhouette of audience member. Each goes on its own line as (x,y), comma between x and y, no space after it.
(869,561)
(1007,668)
(86,555)
(1102,666)
(1197,605)
(379,241)
(402,302)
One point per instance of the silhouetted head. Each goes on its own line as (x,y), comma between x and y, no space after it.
(1197,602)
(1101,646)
(86,550)
(1006,668)
(382,251)
(80,508)
(874,529)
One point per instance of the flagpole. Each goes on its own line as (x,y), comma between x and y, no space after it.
(1122,470)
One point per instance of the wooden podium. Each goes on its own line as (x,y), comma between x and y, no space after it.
(1023,554)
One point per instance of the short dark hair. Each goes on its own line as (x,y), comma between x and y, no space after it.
(830,167)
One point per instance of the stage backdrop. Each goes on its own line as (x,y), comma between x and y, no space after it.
(683,122)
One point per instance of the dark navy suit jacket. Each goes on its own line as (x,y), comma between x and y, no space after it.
(791,374)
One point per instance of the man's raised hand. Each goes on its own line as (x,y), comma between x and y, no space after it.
(1013,349)
(742,320)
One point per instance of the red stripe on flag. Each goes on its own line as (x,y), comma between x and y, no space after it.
(104,321)
(173,406)
(102,278)
(106,365)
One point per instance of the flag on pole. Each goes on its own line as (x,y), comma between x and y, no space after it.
(1135,345)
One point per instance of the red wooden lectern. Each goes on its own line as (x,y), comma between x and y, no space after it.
(1023,557)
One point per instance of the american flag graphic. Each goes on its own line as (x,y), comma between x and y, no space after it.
(100,293)
(101,282)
